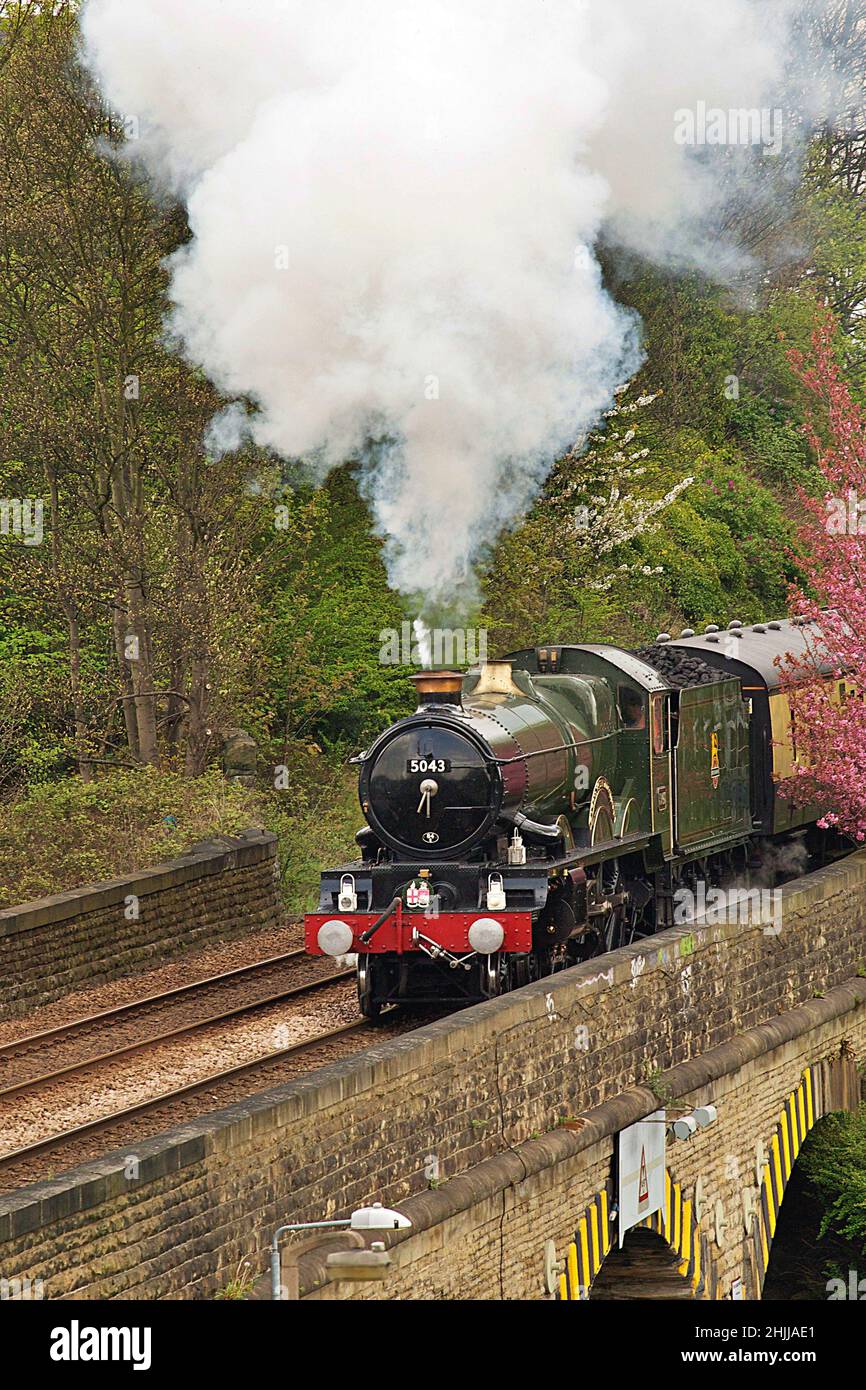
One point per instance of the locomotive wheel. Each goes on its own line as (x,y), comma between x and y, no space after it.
(608,879)
(602,813)
(563,825)
(369,1007)
(610,883)
(491,976)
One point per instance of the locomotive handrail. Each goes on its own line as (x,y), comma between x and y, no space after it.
(560,748)
(603,849)
(368,935)
(520,757)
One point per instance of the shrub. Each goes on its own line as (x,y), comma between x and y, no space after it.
(835,1161)
(60,835)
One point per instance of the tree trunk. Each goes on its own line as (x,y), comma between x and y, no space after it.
(138,654)
(85,768)
(125,675)
(197,737)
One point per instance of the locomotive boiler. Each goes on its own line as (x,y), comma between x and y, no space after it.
(501,755)
(545,808)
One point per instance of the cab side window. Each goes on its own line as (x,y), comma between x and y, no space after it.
(632,707)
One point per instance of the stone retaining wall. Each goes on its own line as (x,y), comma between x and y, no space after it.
(218,891)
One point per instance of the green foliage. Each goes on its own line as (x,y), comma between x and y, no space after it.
(64,834)
(32,745)
(835,1161)
(730,417)
(60,835)
(239,1287)
(721,548)
(328,605)
(314,818)
(586,540)
(724,548)
(771,439)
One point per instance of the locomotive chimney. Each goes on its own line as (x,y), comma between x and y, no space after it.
(438,688)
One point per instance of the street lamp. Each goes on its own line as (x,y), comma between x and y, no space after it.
(372,1218)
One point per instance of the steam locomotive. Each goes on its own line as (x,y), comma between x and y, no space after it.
(548,807)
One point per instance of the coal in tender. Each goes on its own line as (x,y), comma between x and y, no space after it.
(678,666)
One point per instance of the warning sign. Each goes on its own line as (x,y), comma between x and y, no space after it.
(643,1184)
(715,765)
(641,1155)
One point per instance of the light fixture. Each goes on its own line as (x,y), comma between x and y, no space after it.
(372,1264)
(335,938)
(378,1218)
(688,1124)
(685,1127)
(347,899)
(372,1218)
(705,1115)
(486,936)
(496,900)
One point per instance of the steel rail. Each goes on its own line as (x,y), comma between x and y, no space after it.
(129,1049)
(143,1107)
(119,1010)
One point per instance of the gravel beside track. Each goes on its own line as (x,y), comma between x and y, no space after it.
(146,1019)
(126,1131)
(107,1087)
(59,1075)
(195,966)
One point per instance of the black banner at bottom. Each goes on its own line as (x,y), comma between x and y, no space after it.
(59,1340)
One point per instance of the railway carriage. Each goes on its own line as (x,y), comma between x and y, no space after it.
(547,807)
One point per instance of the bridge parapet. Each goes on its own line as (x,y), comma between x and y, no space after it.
(498,1122)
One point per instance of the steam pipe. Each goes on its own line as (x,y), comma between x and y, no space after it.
(532,827)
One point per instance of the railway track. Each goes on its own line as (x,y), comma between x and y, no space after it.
(49,1040)
(94,1127)
(30,1052)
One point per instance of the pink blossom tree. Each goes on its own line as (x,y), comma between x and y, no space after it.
(830,766)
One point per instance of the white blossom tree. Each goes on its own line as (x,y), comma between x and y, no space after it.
(585,537)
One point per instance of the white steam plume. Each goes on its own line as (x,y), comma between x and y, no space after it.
(394,205)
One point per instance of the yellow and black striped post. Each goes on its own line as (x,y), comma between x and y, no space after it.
(586,1253)
(801,1110)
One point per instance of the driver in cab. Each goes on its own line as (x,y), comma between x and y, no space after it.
(632,709)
